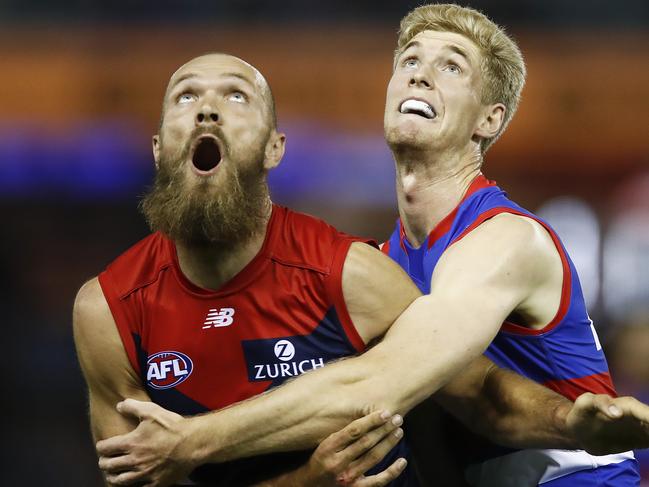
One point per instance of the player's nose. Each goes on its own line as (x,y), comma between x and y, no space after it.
(207,115)
(420,80)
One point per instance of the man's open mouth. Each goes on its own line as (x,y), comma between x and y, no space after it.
(418,107)
(207,154)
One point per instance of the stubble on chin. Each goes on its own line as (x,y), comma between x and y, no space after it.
(405,137)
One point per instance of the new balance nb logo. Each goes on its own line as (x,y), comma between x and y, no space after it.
(217,318)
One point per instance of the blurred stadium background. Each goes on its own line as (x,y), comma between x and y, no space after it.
(81,84)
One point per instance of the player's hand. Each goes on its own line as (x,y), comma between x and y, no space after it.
(343,457)
(604,425)
(152,455)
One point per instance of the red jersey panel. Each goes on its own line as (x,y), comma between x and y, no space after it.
(198,350)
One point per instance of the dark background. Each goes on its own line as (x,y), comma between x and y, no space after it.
(80,90)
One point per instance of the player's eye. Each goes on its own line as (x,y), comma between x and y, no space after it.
(452,68)
(410,62)
(186,98)
(237,97)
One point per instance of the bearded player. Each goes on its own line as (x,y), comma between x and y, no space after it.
(199,315)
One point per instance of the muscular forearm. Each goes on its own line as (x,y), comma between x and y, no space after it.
(398,373)
(516,412)
(524,414)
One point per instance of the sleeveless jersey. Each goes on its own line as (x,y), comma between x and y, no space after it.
(565,355)
(197,350)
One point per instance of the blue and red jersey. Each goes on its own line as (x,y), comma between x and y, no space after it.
(197,350)
(565,355)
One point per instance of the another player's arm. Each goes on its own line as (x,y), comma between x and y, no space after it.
(105,366)
(507,408)
(514,411)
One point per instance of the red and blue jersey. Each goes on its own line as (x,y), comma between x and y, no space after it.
(565,355)
(197,350)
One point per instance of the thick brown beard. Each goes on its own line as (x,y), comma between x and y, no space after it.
(226,215)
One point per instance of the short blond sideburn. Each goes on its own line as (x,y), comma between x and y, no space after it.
(502,66)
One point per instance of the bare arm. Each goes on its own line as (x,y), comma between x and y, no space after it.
(516,412)
(526,277)
(109,376)
(507,408)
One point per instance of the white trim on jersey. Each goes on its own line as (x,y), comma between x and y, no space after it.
(529,468)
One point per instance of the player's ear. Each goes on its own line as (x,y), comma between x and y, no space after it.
(155,145)
(492,119)
(274,150)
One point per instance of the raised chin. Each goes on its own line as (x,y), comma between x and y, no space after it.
(408,134)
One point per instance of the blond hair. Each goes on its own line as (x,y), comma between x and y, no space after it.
(502,66)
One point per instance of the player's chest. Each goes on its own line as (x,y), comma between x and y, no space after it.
(202,325)
(236,345)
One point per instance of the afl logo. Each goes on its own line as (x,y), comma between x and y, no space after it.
(168,369)
(284,350)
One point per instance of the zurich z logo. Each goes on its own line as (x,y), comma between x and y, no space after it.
(284,350)
(168,369)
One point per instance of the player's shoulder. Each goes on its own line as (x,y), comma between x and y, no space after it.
(516,228)
(89,295)
(368,263)
(91,313)
(98,345)
(309,241)
(507,241)
(516,232)
(139,265)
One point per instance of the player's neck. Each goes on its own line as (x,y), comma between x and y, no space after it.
(210,267)
(427,191)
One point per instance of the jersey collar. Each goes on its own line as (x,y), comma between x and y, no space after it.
(246,275)
(478,183)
